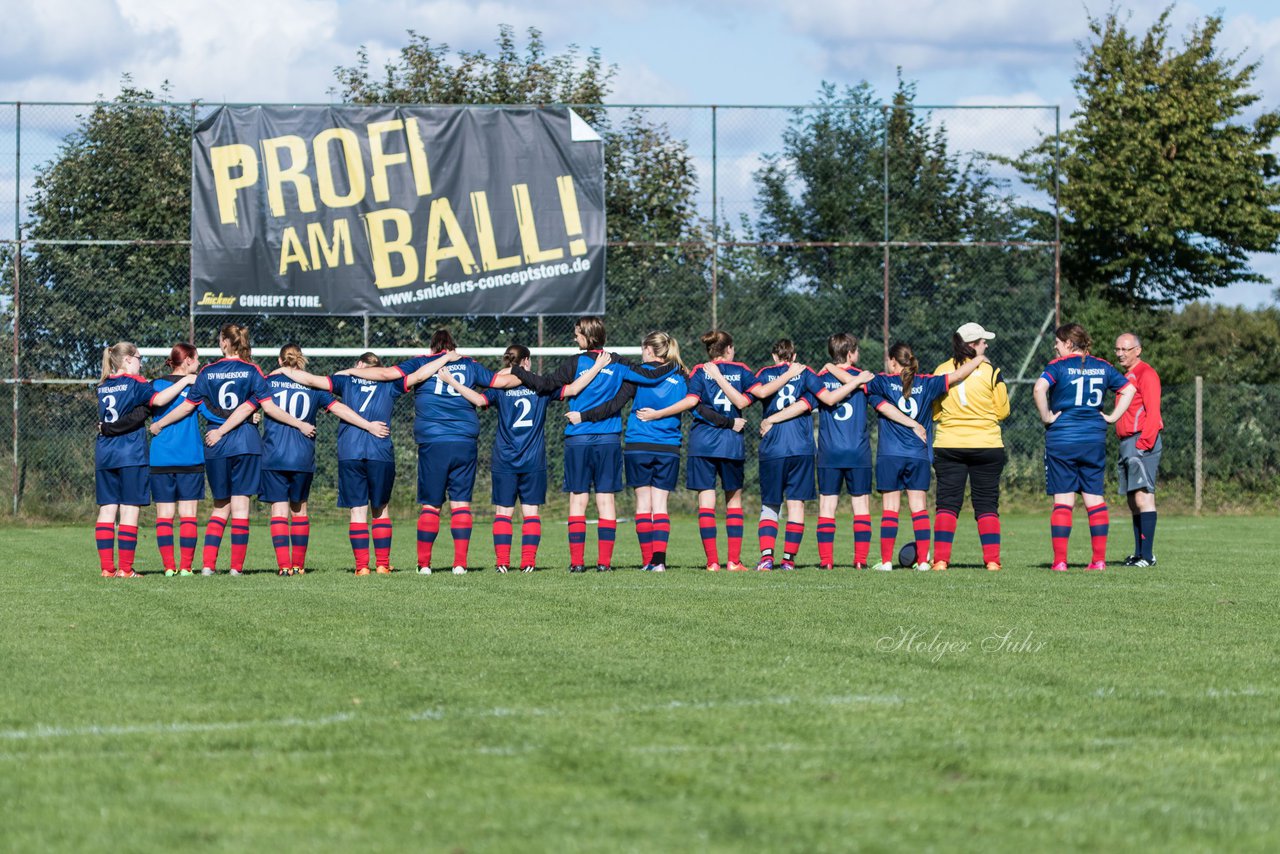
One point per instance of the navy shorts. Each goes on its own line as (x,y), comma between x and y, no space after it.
(125,485)
(786,477)
(238,475)
(172,487)
(701,473)
(291,486)
(649,468)
(1078,468)
(593,465)
(446,469)
(519,487)
(857,480)
(898,473)
(363,482)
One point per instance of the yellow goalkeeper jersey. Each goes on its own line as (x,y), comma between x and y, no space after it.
(969,415)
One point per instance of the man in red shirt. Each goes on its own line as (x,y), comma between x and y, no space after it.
(1139,433)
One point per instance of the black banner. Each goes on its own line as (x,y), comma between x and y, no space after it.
(397,211)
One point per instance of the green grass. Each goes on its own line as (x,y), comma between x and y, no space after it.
(1131,709)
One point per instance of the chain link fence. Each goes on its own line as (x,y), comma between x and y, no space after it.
(890,222)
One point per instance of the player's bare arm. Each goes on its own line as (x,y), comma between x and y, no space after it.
(1040,393)
(349,415)
(1124,397)
(469,394)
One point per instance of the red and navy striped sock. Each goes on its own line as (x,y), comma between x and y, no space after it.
(239,542)
(733,525)
(989,535)
(861,538)
(382,542)
(502,540)
(826,541)
(577,539)
(661,535)
(768,532)
(358,534)
(300,536)
(1099,523)
(188,536)
(707,530)
(530,539)
(944,534)
(213,540)
(104,534)
(280,540)
(1060,531)
(428,528)
(127,540)
(888,534)
(606,533)
(793,534)
(644,534)
(460,528)
(164,542)
(920,527)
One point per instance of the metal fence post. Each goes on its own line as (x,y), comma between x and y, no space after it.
(17,287)
(1199,443)
(715,226)
(885,262)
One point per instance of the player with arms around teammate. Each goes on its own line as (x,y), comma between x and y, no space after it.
(844,448)
(230,389)
(719,450)
(1069,396)
(289,459)
(967,445)
(121,469)
(1140,447)
(519,462)
(652,451)
(785,452)
(592,450)
(903,455)
(177,463)
(446,428)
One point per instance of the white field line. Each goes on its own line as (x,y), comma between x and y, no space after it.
(183,728)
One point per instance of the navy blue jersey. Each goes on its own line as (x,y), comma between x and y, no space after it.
(521,443)
(284,448)
(178,445)
(222,386)
(602,388)
(844,435)
(373,401)
(441,413)
(1078,386)
(117,395)
(793,438)
(895,439)
(706,439)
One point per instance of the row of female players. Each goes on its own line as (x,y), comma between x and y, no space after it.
(950,418)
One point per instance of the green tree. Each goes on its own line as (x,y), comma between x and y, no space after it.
(1164,187)
(124,174)
(827,185)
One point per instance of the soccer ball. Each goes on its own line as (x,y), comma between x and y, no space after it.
(907,556)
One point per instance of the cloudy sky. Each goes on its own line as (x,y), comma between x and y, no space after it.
(694,52)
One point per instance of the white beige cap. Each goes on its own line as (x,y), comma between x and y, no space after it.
(971,332)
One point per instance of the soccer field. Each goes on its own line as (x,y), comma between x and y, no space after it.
(803,711)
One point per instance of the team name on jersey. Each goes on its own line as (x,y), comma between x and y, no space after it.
(232,375)
(112,389)
(1085,372)
(520,391)
(289,384)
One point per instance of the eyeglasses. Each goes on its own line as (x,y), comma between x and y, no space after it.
(1125,349)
